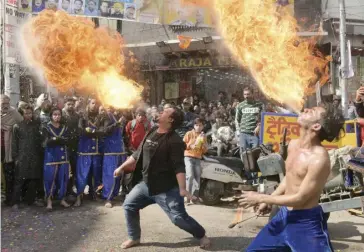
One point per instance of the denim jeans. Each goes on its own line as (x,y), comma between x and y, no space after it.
(172,204)
(248,141)
(193,175)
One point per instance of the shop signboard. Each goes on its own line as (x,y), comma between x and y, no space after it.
(273,124)
(201,62)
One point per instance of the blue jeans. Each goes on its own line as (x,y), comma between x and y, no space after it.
(294,230)
(248,141)
(172,204)
(193,174)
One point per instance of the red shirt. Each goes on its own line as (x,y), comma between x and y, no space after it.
(136,135)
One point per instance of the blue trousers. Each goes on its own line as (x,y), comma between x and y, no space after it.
(55,179)
(88,167)
(295,230)
(248,141)
(110,163)
(172,204)
(193,175)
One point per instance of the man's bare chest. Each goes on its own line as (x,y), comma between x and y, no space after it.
(297,165)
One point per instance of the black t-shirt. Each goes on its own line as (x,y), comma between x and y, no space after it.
(151,145)
(162,158)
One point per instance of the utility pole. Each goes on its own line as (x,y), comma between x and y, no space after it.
(344,69)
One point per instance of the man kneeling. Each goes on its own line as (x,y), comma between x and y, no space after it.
(300,224)
(159,177)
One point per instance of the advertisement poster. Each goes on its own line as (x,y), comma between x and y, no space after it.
(149,11)
(176,13)
(117,10)
(273,125)
(130,11)
(38,5)
(171,90)
(91,8)
(25,5)
(104,8)
(51,4)
(64,5)
(77,7)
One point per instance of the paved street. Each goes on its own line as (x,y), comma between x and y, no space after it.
(95,228)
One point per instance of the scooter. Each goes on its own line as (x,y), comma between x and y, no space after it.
(227,176)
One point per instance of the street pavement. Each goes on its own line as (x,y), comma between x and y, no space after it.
(92,227)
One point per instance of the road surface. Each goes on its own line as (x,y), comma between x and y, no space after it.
(92,227)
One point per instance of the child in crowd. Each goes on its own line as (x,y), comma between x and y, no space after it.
(196,146)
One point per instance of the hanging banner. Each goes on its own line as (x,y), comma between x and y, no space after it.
(13,20)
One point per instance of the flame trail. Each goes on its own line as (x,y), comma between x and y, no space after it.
(263,38)
(71,53)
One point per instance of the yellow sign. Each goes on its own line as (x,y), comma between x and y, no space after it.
(273,125)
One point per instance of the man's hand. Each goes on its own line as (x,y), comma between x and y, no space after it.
(185,193)
(257,130)
(122,120)
(118,172)
(359,94)
(263,209)
(249,199)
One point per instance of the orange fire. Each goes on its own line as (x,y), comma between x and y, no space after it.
(71,53)
(263,38)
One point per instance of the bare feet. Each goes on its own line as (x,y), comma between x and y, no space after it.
(78,201)
(65,204)
(108,204)
(205,242)
(49,204)
(129,244)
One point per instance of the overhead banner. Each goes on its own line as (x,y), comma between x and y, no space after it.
(144,11)
(183,13)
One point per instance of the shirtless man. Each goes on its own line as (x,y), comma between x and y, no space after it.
(299,225)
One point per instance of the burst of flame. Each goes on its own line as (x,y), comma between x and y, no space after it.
(71,53)
(263,38)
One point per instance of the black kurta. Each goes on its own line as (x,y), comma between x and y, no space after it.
(27,150)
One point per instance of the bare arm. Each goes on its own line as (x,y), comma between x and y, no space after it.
(181,179)
(311,185)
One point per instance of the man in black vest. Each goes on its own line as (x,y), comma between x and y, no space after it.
(159,177)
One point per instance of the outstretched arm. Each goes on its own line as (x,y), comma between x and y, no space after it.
(311,185)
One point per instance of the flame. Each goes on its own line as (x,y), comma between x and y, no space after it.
(71,53)
(184,41)
(263,38)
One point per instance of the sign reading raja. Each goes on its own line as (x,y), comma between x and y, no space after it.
(200,62)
